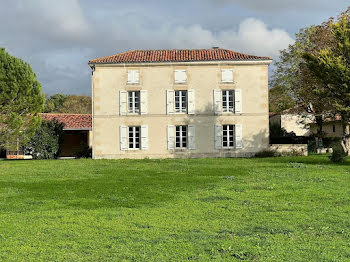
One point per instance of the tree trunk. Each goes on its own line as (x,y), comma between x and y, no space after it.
(319,135)
(345,142)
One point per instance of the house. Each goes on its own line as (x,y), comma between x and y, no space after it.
(179,103)
(331,127)
(291,121)
(77,132)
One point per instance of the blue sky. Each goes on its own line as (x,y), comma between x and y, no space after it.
(59,37)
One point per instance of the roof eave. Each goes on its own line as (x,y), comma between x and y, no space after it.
(247,61)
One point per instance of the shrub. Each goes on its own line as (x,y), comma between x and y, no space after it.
(267,153)
(45,144)
(338,154)
(84,151)
(292,152)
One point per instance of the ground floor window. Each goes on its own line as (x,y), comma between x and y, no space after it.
(228,136)
(181,137)
(134,137)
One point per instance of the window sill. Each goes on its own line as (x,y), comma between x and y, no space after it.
(227,148)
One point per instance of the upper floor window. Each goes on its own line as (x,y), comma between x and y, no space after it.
(180,76)
(134,102)
(228,136)
(181,137)
(227,75)
(133,76)
(227,101)
(134,137)
(181,101)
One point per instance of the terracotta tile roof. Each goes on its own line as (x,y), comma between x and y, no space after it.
(189,55)
(71,121)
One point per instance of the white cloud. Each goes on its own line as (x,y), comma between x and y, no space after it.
(255,37)
(251,36)
(56,20)
(59,37)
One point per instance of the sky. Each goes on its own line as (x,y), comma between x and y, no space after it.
(58,37)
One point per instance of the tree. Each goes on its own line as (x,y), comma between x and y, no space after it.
(54,103)
(70,104)
(20,101)
(294,78)
(45,144)
(331,67)
(77,105)
(279,100)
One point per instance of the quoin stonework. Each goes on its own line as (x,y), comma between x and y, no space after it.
(180,103)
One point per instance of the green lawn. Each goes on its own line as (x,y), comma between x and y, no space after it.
(273,209)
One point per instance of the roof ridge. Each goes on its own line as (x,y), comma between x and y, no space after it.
(177,55)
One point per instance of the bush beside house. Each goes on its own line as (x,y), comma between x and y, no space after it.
(45,144)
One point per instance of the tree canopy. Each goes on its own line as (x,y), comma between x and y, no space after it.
(295,79)
(21,100)
(73,104)
(331,67)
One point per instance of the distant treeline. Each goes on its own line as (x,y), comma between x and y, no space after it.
(73,104)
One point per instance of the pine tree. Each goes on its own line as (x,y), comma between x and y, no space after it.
(21,100)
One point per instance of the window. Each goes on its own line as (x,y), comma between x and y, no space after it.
(134,137)
(133,76)
(333,128)
(227,101)
(134,102)
(181,137)
(180,101)
(180,76)
(228,136)
(227,75)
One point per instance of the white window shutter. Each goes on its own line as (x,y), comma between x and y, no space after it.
(144,137)
(171,137)
(170,102)
(218,136)
(130,76)
(136,76)
(191,137)
(180,76)
(133,76)
(227,75)
(143,99)
(123,97)
(123,135)
(191,101)
(217,101)
(238,101)
(238,132)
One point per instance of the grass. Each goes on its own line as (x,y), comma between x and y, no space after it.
(272,209)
